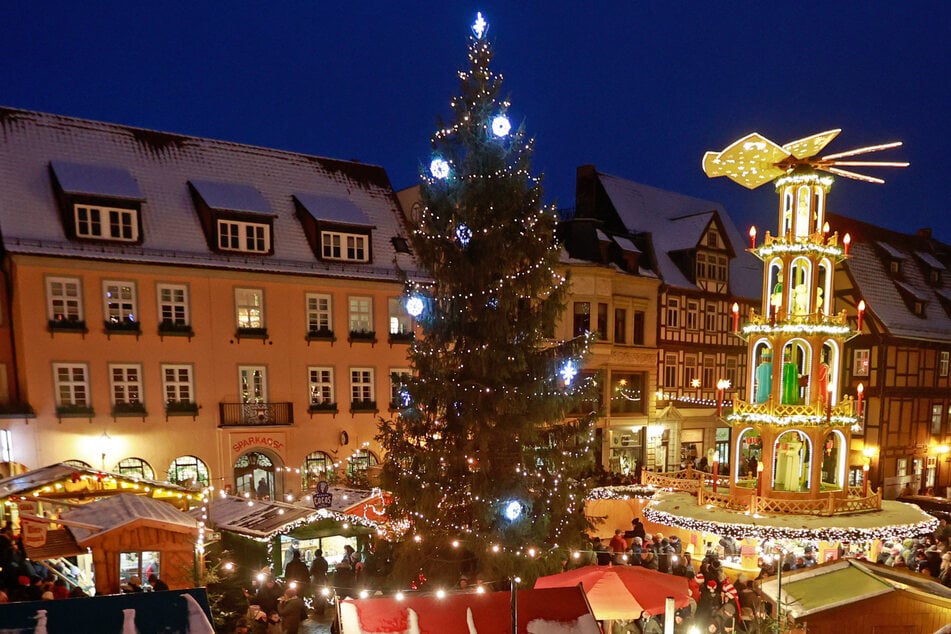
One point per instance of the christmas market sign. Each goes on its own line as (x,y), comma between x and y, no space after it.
(322,497)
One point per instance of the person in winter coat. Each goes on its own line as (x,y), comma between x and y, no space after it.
(292,610)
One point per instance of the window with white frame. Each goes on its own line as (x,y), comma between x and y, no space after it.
(400,321)
(249,307)
(173,304)
(361,314)
(177,383)
(690,371)
(398,379)
(901,467)
(673,312)
(361,385)
(860,362)
(106,223)
(319,312)
(670,370)
(119,302)
(321,385)
(936,412)
(709,371)
(943,363)
(72,384)
(344,246)
(692,314)
(711,317)
(64,299)
(126,383)
(249,237)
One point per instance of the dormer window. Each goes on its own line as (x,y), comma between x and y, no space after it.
(894,258)
(235,217)
(336,227)
(343,246)
(98,202)
(712,266)
(236,235)
(915,300)
(931,267)
(105,223)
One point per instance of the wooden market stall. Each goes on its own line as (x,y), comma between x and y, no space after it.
(868,597)
(135,535)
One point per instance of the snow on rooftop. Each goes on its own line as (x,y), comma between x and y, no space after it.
(333,209)
(231,196)
(96,180)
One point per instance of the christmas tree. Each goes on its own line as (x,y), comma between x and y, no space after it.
(481,459)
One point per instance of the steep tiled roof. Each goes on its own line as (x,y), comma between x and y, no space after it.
(675,223)
(885,293)
(161,166)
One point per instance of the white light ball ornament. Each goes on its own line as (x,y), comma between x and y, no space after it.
(501,126)
(513,510)
(439,168)
(414,305)
(463,235)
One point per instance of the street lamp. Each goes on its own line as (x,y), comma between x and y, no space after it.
(105,446)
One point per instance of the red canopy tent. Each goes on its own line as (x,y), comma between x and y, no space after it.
(622,592)
(559,609)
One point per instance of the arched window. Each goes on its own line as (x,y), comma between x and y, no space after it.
(254,473)
(188,471)
(78,464)
(317,466)
(135,468)
(357,465)
(749,451)
(791,462)
(834,454)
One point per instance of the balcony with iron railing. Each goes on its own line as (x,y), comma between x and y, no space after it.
(255,414)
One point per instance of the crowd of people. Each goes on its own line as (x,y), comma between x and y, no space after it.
(281,606)
(24,580)
(720,604)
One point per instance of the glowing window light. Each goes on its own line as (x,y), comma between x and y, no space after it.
(439,168)
(501,126)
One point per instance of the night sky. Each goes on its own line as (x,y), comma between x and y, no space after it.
(639,89)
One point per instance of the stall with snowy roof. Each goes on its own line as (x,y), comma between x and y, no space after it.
(135,536)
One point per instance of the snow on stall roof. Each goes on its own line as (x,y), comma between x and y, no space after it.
(25,483)
(895,518)
(123,509)
(230,196)
(96,180)
(260,519)
(333,209)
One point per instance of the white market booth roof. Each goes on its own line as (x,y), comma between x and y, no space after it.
(64,481)
(350,511)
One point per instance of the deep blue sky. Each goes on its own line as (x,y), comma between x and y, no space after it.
(640,89)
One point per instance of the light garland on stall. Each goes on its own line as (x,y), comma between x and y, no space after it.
(796,329)
(832,534)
